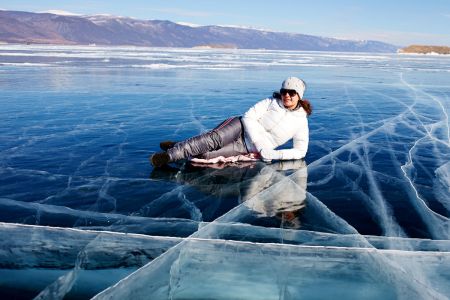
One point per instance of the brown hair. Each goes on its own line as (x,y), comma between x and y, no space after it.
(306,106)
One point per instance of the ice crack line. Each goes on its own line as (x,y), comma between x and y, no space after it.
(351,144)
(435,99)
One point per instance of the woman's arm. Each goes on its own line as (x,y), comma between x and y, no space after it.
(252,126)
(301,141)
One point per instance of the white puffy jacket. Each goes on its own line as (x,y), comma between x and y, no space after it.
(268,124)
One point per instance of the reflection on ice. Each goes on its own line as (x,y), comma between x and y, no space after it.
(284,204)
(229,184)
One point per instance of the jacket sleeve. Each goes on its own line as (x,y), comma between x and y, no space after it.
(252,126)
(301,141)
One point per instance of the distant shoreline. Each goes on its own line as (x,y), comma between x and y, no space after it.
(410,50)
(423,49)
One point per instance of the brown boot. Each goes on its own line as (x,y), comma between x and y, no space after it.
(166,145)
(160,159)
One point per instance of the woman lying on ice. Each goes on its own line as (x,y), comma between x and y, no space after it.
(267,125)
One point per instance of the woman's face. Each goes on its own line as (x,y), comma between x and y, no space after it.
(290,98)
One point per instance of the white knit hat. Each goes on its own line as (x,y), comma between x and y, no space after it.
(293,83)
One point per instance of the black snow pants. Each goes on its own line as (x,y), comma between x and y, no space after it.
(227,139)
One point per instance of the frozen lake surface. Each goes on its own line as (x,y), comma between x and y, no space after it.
(365,216)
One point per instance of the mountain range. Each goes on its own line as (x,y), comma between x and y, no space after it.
(47,28)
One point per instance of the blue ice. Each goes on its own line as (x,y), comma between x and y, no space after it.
(83,214)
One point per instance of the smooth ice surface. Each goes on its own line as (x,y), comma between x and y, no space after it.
(366,216)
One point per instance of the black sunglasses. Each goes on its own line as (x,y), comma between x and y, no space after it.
(291,93)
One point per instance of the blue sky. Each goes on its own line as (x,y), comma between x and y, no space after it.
(401,22)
